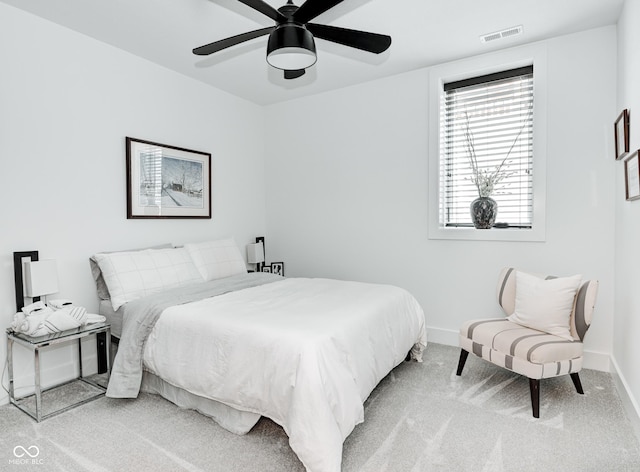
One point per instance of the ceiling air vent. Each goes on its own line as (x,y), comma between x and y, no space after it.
(506,33)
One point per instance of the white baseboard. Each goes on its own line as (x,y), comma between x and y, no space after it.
(448,337)
(628,400)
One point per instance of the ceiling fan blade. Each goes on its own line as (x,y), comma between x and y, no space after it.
(293,74)
(265,9)
(232,41)
(312,8)
(371,42)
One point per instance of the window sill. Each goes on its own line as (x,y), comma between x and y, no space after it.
(493,234)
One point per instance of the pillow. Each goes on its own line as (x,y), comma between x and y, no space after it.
(133,275)
(217,259)
(545,304)
(101,287)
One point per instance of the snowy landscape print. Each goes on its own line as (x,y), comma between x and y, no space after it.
(170,182)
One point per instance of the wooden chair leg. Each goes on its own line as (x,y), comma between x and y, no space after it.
(534,386)
(576,382)
(463,358)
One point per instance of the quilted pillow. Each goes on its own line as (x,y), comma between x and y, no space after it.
(133,275)
(545,304)
(217,259)
(101,286)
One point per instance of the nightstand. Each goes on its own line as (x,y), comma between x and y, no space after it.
(85,388)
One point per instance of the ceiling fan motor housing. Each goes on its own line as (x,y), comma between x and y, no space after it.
(291,47)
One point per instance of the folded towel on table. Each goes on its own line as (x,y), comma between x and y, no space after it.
(47,321)
(59,303)
(34,308)
(62,320)
(29,319)
(91,318)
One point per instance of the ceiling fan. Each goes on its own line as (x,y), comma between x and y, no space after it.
(291,45)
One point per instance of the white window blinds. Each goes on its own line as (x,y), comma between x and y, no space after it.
(486,124)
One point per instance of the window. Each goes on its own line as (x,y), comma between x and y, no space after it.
(486,147)
(492,108)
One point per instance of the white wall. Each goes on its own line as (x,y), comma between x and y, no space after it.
(66,104)
(626,348)
(347,192)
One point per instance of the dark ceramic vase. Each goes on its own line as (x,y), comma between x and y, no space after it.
(483,212)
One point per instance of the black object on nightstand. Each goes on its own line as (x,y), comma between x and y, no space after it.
(260,239)
(101,346)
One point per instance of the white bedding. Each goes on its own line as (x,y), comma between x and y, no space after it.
(304,352)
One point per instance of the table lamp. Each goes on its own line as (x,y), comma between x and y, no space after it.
(255,254)
(40,278)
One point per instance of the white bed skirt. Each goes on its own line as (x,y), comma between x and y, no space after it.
(231,419)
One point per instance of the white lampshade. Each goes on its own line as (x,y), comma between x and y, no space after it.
(291,47)
(255,253)
(40,277)
(291,58)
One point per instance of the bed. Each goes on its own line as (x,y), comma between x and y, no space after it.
(199,330)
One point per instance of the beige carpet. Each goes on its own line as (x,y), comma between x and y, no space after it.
(420,418)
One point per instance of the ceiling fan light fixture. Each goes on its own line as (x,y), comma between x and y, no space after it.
(291,47)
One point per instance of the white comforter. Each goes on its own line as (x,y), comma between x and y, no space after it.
(304,352)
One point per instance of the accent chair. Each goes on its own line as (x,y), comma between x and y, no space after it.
(547,319)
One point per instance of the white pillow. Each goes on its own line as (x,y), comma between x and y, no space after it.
(101,287)
(217,259)
(136,274)
(545,305)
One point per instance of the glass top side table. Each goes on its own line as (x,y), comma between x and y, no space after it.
(36,344)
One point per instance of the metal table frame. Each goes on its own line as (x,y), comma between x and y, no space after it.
(36,344)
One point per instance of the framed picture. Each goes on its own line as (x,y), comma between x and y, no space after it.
(632,177)
(277,268)
(167,181)
(266,268)
(621,134)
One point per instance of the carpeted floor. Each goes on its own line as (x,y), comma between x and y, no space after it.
(420,418)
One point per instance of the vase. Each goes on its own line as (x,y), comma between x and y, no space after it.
(483,212)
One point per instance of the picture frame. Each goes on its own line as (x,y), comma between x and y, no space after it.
(632,177)
(266,268)
(277,268)
(166,181)
(621,134)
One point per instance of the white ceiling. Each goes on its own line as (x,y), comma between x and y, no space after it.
(424,32)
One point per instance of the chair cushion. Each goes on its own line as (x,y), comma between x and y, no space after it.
(514,340)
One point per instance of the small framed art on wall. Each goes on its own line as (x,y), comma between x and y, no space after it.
(621,134)
(632,177)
